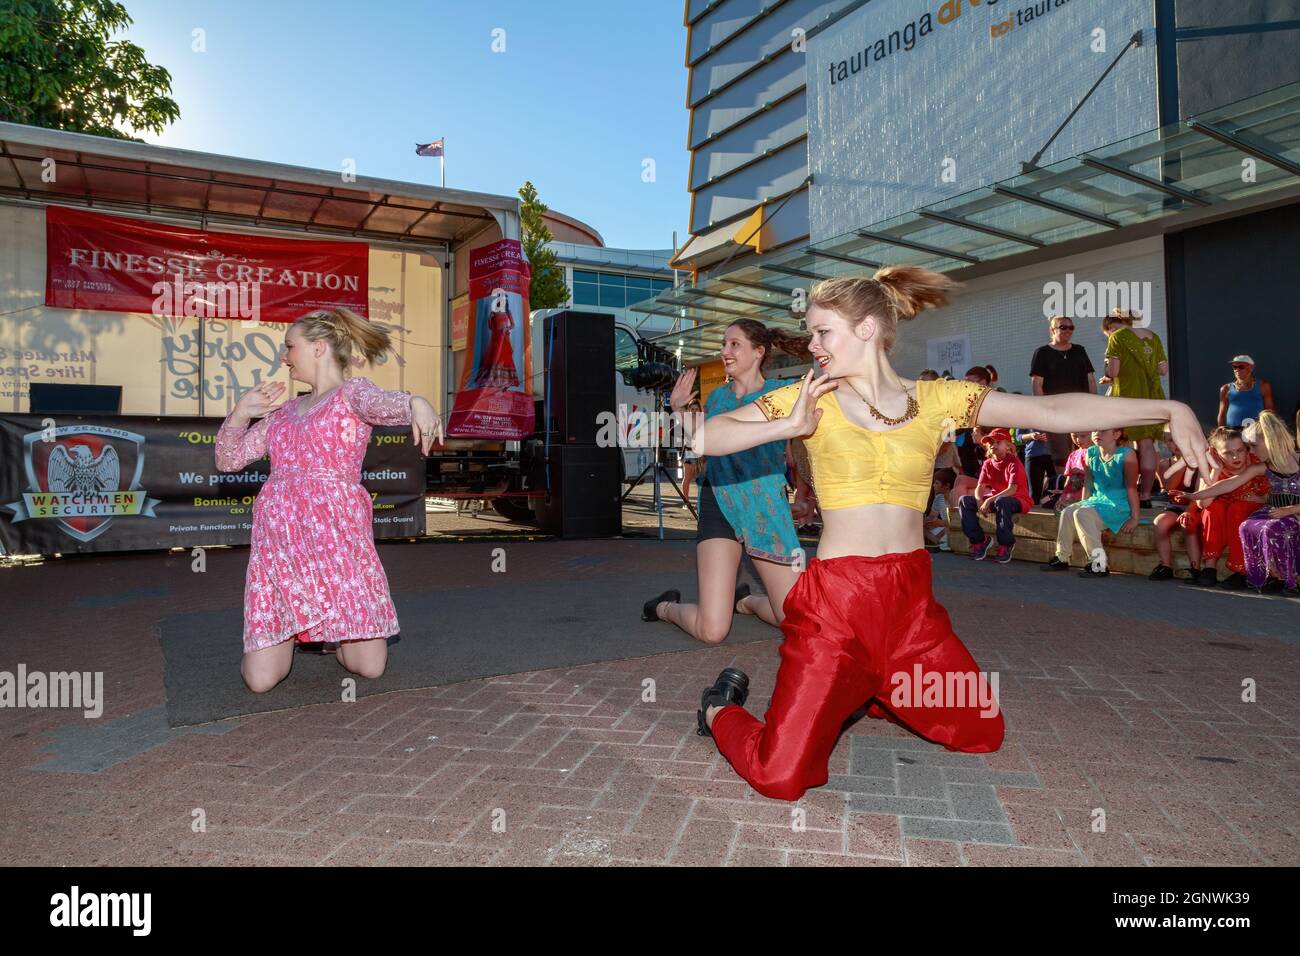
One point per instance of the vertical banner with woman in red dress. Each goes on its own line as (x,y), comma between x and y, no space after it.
(495,398)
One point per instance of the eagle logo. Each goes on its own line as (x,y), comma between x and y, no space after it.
(74,468)
(85,461)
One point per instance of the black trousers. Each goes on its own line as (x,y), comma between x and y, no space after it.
(1041,473)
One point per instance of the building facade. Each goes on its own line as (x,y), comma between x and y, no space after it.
(1145,152)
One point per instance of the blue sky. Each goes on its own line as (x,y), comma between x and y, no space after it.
(584,91)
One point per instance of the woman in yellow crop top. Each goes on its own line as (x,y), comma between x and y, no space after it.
(861,623)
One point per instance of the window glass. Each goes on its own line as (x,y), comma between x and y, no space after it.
(585,293)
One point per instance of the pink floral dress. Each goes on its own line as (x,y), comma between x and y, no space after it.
(312,567)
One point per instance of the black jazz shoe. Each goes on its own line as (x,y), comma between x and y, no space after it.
(649,610)
(1234,582)
(1056,564)
(742,592)
(731,687)
(1162,572)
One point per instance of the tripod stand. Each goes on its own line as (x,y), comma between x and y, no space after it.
(660,471)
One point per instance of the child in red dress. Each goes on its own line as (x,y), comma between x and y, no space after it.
(1223,512)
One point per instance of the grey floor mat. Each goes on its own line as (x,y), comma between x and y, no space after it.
(447,636)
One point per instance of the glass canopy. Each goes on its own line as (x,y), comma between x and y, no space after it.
(1244,151)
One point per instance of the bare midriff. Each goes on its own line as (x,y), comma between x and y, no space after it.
(870,531)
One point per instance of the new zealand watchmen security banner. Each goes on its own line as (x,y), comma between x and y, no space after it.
(495,399)
(127,483)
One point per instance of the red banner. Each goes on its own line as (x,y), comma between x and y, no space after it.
(495,399)
(111,263)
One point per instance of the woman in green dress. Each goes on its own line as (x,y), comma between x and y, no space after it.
(1135,364)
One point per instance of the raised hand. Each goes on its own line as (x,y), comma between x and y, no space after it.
(683,390)
(258,401)
(805,414)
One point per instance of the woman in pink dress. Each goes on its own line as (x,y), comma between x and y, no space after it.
(313,572)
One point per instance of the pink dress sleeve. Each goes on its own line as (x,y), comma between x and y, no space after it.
(238,447)
(375,405)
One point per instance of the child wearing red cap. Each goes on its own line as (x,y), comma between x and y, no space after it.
(1003,490)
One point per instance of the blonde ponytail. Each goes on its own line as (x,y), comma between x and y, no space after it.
(345,331)
(893,293)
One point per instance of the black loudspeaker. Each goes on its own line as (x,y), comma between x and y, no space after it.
(580,375)
(585,492)
(60,398)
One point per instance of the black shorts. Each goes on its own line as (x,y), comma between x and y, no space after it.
(713,523)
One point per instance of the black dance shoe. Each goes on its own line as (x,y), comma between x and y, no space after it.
(648,612)
(1205,578)
(731,687)
(742,592)
(1056,564)
(1234,582)
(1162,572)
(1272,586)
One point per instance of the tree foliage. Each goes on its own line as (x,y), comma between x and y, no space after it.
(60,69)
(547,289)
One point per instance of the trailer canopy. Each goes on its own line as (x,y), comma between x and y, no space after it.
(54,166)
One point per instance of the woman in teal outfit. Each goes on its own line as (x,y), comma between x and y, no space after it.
(743,501)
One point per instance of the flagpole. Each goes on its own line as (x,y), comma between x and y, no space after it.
(442,167)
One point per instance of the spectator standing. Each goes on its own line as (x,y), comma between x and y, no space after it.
(1243,398)
(1135,365)
(1059,367)
(1038,462)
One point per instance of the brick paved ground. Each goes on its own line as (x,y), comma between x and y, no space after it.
(1119,696)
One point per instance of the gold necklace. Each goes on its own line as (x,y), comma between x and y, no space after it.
(912,409)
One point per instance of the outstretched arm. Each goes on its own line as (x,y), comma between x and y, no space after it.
(380,407)
(749,426)
(1224,485)
(1076,412)
(746,427)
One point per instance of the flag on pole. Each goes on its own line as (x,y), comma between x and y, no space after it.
(429,149)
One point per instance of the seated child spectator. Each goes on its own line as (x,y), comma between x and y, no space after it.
(1270,536)
(1070,483)
(1225,505)
(1176,479)
(1038,462)
(1002,489)
(1111,502)
(936,518)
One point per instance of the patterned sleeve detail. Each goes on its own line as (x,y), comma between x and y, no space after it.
(375,405)
(238,447)
(960,401)
(778,402)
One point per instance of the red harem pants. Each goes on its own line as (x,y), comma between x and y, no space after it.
(1220,521)
(857,629)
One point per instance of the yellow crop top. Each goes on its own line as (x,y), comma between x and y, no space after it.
(854,466)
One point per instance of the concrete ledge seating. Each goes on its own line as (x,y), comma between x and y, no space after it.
(1036,541)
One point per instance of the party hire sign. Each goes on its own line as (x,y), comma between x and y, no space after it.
(83,476)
